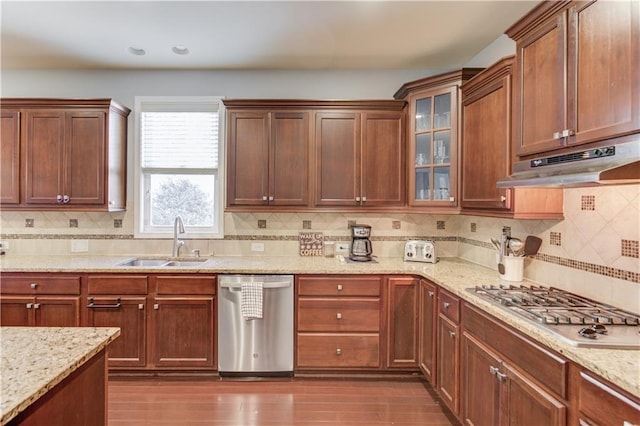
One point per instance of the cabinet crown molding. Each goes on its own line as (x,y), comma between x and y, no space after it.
(66,103)
(316,104)
(449,78)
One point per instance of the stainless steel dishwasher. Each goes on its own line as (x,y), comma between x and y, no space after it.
(261,346)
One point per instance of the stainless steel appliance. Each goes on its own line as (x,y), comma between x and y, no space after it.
(420,251)
(360,243)
(259,346)
(577,320)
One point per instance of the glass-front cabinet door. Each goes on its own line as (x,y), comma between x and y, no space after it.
(433,148)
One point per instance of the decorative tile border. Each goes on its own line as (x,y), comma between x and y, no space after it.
(590,267)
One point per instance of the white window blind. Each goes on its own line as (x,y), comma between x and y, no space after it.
(179,140)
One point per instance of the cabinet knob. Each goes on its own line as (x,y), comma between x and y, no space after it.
(338,315)
(33,286)
(338,351)
(59,198)
(430,293)
(271,198)
(503,198)
(364,199)
(156,306)
(36,306)
(65,199)
(141,306)
(264,198)
(452,334)
(339,287)
(501,376)
(357,198)
(557,135)
(446,305)
(29,305)
(493,370)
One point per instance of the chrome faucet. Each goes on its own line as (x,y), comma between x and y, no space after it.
(178,229)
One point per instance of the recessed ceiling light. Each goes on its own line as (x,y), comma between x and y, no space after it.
(137,51)
(180,50)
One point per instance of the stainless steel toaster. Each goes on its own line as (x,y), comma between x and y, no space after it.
(420,251)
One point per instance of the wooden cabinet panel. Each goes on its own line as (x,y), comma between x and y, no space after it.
(339,285)
(338,159)
(576,78)
(602,404)
(383,159)
(129,314)
(349,350)
(354,314)
(16,311)
(427,329)
(72,154)
(9,157)
(448,366)
(449,306)
(289,167)
(248,157)
(186,284)
(57,311)
(40,284)
(480,366)
(183,332)
(402,320)
(117,284)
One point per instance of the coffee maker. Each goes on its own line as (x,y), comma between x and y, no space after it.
(360,243)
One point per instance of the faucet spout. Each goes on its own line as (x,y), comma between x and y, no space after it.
(178,229)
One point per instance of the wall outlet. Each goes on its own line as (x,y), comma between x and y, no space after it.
(257,246)
(4,245)
(342,248)
(79,246)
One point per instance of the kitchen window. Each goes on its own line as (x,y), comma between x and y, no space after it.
(179,166)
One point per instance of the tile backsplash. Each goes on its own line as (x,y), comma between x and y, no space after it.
(596,245)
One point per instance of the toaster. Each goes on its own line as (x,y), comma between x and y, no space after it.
(420,251)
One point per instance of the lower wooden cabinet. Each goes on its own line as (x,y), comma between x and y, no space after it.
(183,322)
(402,322)
(427,330)
(120,301)
(40,300)
(601,404)
(448,353)
(338,322)
(520,382)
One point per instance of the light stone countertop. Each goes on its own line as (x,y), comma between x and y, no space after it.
(35,359)
(620,366)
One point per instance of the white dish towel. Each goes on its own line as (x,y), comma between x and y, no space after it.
(251,300)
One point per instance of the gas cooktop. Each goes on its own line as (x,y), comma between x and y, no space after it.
(577,320)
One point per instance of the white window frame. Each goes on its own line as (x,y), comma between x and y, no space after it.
(176,103)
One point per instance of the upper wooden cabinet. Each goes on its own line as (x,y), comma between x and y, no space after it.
(299,155)
(72,154)
(487,155)
(268,157)
(576,74)
(433,154)
(360,158)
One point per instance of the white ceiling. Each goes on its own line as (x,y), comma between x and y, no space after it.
(251,34)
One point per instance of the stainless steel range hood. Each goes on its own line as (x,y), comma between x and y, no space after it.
(614,164)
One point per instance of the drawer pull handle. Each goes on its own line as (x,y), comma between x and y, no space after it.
(338,315)
(33,286)
(92,304)
(338,351)
(339,287)
(493,370)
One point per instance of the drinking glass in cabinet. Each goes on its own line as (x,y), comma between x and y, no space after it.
(441,180)
(423,149)
(423,114)
(441,147)
(423,186)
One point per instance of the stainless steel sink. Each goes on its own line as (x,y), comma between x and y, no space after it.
(161,262)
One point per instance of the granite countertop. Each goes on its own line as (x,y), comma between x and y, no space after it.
(35,359)
(620,366)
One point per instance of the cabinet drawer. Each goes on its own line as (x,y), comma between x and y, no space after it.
(339,286)
(605,405)
(449,306)
(339,315)
(189,284)
(338,350)
(41,285)
(117,284)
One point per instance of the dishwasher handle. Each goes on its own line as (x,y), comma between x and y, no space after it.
(266,285)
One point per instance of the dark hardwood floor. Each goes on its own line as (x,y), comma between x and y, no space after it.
(299,401)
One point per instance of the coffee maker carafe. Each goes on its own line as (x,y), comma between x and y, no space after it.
(360,243)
